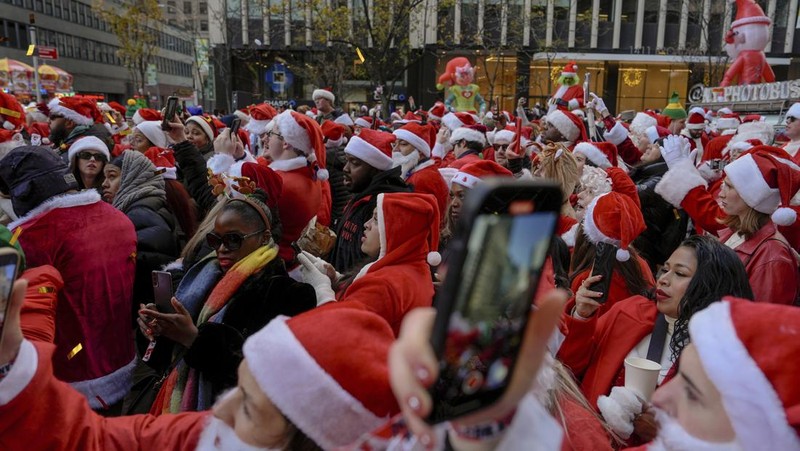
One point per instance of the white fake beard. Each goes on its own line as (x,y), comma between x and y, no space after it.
(406,162)
(672,437)
(218,436)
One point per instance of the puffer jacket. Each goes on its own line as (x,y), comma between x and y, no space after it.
(192,172)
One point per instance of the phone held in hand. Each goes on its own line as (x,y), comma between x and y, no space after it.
(169,113)
(604,260)
(495,262)
(9,269)
(235,124)
(162,291)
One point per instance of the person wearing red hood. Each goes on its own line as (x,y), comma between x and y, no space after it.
(412,152)
(403,237)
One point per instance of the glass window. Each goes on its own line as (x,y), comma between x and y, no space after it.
(203,8)
(469,21)
(203,27)
(57,9)
(38,6)
(48,7)
(187,7)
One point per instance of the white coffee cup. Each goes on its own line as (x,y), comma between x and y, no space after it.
(641,376)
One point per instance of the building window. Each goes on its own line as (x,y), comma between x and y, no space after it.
(48,7)
(203,25)
(203,8)
(187,7)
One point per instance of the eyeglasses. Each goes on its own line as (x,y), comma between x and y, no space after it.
(271,133)
(232,241)
(790,119)
(89,155)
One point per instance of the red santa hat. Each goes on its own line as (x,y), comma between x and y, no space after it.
(696,121)
(305,135)
(470,175)
(76,109)
(9,140)
(749,352)
(724,110)
(501,137)
(146,114)
(622,183)
(570,126)
(794,111)
(12,114)
(472,133)
(753,118)
(373,147)
(570,69)
(749,12)
(260,117)
(39,133)
(116,106)
(344,119)
(363,121)
(437,112)
(323,94)
(641,122)
(88,143)
(209,124)
(448,174)
(602,154)
(243,114)
(740,146)
(333,134)
(613,218)
(164,161)
(454,121)
(153,132)
(422,137)
(261,177)
(728,121)
(754,130)
(656,132)
(411,216)
(334,391)
(767,181)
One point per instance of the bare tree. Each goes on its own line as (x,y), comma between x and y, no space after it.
(706,25)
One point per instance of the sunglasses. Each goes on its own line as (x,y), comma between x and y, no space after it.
(232,241)
(89,155)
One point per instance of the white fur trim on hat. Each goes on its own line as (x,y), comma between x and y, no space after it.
(200,122)
(652,134)
(448,174)
(754,130)
(754,408)
(746,178)
(570,235)
(466,180)
(617,134)
(678,181)
(560,121)
(289,165)
(153,132)
(503,137)
(381,226)
(700,126)
(88,143)
(451,121)
(727,123)
(467,134)
(368,153)
(594,154)
(169,173)
(323,93)
(590,229)
(344,119)
(361,122)
(56,107)
(794,111)
(415,140)
(641,122)
(302,390)
(257,127)
(294,135)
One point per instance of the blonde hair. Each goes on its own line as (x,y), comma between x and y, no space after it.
(747,224)
(557,163)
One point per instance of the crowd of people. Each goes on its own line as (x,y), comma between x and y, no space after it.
(305,249)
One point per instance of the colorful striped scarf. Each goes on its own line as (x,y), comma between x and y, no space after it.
(185,389)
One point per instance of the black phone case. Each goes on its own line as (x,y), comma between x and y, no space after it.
(605,257)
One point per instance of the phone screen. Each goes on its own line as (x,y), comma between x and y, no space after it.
(169,112)
(604,260)
(9,261)
(162,291)
(503,259)
(235,126)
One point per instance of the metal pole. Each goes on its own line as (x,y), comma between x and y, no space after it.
(36,87)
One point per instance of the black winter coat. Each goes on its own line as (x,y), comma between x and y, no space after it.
(666,225)
(350,227)
(194,176)
(335,161)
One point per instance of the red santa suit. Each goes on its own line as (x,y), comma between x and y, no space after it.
(572,95)
(300,201)
(464,160)
(750,67)
(426,179)
(31,399)
(400,280)
(595,349)
(93,246)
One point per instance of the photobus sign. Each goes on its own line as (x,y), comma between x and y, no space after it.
(763,92)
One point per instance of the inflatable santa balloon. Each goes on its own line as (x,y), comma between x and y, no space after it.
(462,95)
(570,93)
(746,40)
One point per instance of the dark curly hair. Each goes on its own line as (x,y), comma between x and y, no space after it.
(719,273)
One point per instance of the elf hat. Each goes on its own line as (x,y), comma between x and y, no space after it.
(333,390)
(436,112)
(333,134)
(146,114)
(472,133)
(602,154)
(455,121)
(305,135)
(422,137)
(260,117)
(696,122)
(613,218)
(749,352)
(472,174)
(570,126)
(404,218)
(748,12)
(323,94)
(88,143)
(78,110)
(153,132)
(373,147)
(674,109)
(767,181)
(12,115)
(164,161)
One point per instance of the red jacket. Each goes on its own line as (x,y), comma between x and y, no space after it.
(595,349)
(48,414)
(301,199)
(770,264)
(38,315)
(617,291)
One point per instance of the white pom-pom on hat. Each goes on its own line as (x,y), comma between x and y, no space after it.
(434,258)
(623,255)
(784,216)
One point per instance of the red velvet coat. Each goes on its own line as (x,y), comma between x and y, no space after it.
(595,349)
(50,415)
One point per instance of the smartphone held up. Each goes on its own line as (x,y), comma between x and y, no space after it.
(494,266)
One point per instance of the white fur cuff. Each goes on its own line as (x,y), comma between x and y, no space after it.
(678,181)
(617,134)
(619,410)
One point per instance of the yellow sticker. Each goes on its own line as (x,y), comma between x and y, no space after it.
(45,290)
(15,236)
(74,351)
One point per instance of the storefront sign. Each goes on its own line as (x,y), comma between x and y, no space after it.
(782,90)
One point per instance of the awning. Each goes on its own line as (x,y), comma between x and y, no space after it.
(54,79)
(15,76)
